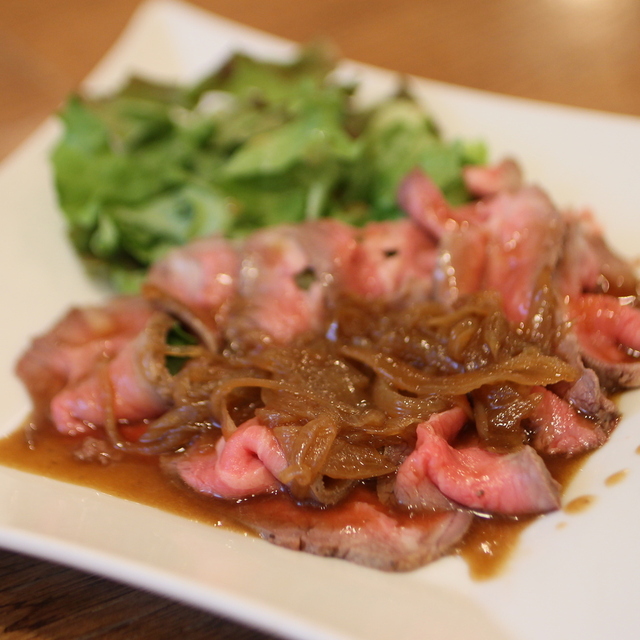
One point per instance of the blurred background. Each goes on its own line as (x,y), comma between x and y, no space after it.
(578,52)
(584,53)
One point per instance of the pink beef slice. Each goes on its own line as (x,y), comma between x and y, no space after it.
(413,488)
(558,429)
(488,180)
(525,233)
(516,483)
(328,245)
(588,264)
(83,337)
(422,200)
(245,465)
(81,407)
(608,334)
(587,397)
(201,278)
(285,274)
(460,265)
(200,274)
(360,530)
(505,242)
(392,261)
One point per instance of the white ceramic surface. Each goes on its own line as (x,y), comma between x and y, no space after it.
(573,576)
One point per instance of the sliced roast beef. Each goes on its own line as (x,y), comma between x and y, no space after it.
(588,398)
(360,530)
(284,278)
(82,338)
(525,234)
(391,261)
(489,180)
(244,465)
(608,334)
(423,201)
(414,488)
(196,282)
(460,265)
(328,246)
(130,387)
(589,265)
(515,483)
(558,429)
(506,243)
(516,252)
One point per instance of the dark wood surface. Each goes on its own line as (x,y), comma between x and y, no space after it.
(577,52)
(44,600)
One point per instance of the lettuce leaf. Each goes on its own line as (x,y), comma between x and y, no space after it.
(255,143)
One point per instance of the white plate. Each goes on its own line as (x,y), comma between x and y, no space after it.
(573,576)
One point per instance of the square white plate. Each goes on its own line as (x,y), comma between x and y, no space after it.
(573,576)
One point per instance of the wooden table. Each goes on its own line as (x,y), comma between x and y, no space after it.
(577,52)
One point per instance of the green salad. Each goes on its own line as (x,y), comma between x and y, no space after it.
(256,143)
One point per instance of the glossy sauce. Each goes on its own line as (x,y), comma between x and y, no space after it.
(579,504)
(136,478)
(486,548)
(490,542)
(616,478)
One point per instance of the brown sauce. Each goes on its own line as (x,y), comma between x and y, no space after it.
(135,478)
(579,504)
(489,544)
(563,470)
(491,541)
(486,548)
(616,478)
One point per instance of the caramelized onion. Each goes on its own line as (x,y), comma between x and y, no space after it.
(349,461)
(529,368)
(499,410)
(174,429)
(408,409)
(203,327)
(308,454)
(344,410)
(220,396)
(328,492)
(153,354)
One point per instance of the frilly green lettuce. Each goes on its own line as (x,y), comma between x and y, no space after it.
(254,144)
